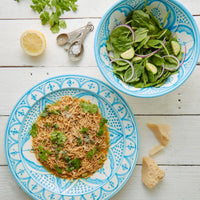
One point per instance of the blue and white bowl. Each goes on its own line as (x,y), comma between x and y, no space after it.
(187,33)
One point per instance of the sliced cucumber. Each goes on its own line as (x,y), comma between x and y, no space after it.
(136,58)
(152,68)
(176,47)
(128,54)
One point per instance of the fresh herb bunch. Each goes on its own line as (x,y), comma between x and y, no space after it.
(142,51)
(51,10)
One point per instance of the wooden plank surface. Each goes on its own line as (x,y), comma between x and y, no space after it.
(54,55)
(18,73)
(86,9)
(177,179)
(179,102)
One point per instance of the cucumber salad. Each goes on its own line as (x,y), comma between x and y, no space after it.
(144,53)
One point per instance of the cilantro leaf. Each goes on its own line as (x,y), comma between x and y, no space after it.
(43,154)
(62,24)
(101,125)
(58,137)
(58,169)
(73,164)
(83,130)
(89,107)
(91,153)
(44,17)
(67,108)
(79,141)
(33,131)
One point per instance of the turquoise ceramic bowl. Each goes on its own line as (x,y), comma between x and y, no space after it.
(187,33)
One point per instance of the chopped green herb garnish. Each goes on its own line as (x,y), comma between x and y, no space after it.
(67,158)
(100,161)
(58,169)
(43,154)
(45,112)
(101,125)
(91,153)
(33,131)
(91,141)
(46,125)
(103,121)
(58,137)
(55,112)
(55,126)
(84,175)
(57,150)
(100,132)
(83,130)
(73,164)
(67,108)
(79,141)
(44,141)
(89,107)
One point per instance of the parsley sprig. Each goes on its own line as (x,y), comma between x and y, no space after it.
(51,10)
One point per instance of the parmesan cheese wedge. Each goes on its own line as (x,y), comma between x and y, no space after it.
(161,131)
(155,150)
(151,172)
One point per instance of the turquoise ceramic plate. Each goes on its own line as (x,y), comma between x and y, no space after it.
(123,152)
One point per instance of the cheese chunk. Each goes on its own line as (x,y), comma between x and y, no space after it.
(161,131)
(155,150)
(151,172)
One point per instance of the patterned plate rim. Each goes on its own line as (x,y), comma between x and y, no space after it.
(46,81)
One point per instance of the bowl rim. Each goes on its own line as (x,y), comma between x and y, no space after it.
(129,92)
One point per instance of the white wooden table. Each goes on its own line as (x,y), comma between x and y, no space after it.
(180,109)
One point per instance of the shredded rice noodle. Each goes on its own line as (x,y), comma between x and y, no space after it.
(70,122)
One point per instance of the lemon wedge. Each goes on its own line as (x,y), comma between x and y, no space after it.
(33,42)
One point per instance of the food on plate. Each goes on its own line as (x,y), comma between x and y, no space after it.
(33,42)
(161,131)
(151,172)
(51,10)
(155,150)
(70,138)
(143,52)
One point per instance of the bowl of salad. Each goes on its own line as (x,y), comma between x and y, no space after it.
(147,48)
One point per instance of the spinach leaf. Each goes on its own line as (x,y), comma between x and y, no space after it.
(140,34)
(121,39)
(157,60)
(157,44)
(118,68)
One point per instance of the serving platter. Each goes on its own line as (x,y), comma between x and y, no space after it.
(124,140)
